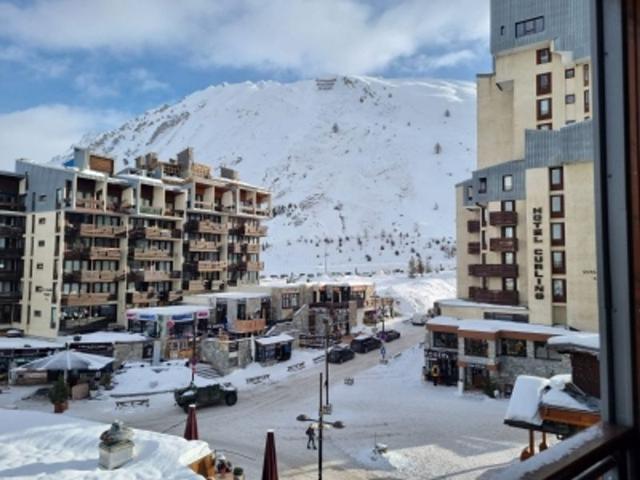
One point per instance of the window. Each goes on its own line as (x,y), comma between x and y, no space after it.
(543,56)
(558,263)
(42,198)
(501,30)
(483,185)
(543,83)
(556,179)
(37,313)
(570,99)
(557,234)
(508,232)
(290,300)
(476,347)
(508,206)
(507,183)
(42,221)
(559,289)
(541,351)
(529,27)
(557,206)
(570,73)
(586,75)
(544,109)
(509,284)
(445,340)
(545,126)
(587,104)
(40,266)
(513,348)
(41,243)
(508,258)
(469,192)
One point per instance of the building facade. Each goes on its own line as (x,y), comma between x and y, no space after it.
(526,218)
(100,242)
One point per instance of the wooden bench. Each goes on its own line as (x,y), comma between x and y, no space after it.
(297,366)
(132,402)
(258,379)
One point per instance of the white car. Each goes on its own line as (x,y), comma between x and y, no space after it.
(419,319)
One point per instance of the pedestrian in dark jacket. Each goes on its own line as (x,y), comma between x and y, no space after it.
(311,437)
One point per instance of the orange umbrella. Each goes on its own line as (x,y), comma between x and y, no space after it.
(270,464)
(191,430)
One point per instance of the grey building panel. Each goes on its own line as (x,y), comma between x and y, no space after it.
(42,182)
(566,22)
(570,144)
(494,175)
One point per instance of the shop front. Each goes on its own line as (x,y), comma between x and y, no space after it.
(443,364)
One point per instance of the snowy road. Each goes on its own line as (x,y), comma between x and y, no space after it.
(432,433)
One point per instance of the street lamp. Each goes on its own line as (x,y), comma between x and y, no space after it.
(321,425)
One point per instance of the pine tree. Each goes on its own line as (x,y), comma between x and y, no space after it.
(437,149)
(420,267)
(412,267)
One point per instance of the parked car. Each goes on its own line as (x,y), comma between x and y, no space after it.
(365,343)
(389,335)
(205,396)
(340,354)
(419,319)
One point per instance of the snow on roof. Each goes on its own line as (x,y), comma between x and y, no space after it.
(577,341)
(525,400)
(65,448)
(460,302)
(18,343)
(69,360)
(169,310)
(494,326)
(236,294)
(141,178)
(105,337)
(283,337)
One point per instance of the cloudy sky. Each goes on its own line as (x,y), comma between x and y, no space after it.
(71,67)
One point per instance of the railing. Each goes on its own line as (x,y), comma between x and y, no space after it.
(250,266)
(249,326)
(11,252)
(84,299)
(263,211)
(89,204)
(207,226)
(153,233)
(493,270)
(498,219)
(89,230)
(151,254)
(211,266)
(142,297)
(11,231)
(203,246)
(12,205)
(89,276)
(10,274)
(170,295)
(473,226)
(254,230)
(473,248)
(148,210)
(197,285)
(500,297)
(203,205)
(251,248)
(503,244)
(235,248)
(107,253)
(248,208)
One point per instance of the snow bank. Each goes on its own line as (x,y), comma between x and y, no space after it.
(525,400)
(586,341)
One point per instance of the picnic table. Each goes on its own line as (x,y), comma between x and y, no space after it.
(132,402)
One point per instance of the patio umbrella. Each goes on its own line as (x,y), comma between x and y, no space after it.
(70,360)
(270,463)
(191,429)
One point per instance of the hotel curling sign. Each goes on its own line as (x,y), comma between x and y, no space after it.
(538,254)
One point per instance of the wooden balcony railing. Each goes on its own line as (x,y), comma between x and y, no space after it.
(473,226)
(211,266)
(152,254)
(251,248)
(105,253)
(86,299)
(235,248)
(90,276)
(503,244)
(11,231)
(170,295)
(252,230)
(138,298)
(89,230)
(499,297)
(473,248)
(497,270)
(499,219)
(263,211)
(11,252)
(90,204)
(148,210)
(156,233)
(207,226)
(203,205)
(203,246)
(249,326)
(15,205)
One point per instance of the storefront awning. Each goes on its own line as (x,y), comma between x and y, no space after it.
(175,313)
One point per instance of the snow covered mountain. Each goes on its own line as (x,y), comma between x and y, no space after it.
(362,169)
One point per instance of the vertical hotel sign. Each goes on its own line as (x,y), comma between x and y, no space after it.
(538,254)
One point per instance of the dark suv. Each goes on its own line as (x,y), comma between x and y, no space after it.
(364,344)
(389,335)
(214,394)
(340,353)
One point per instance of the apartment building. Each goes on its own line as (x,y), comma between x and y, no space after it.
(99,242)
(12,218)
(525,220)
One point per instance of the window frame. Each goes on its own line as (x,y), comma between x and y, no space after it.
(545,126)
(556,186)
(540,55)
(539,114)
(558,242)
(504,178)
(570,99)
(561,270)
(556,214)
(559,298)
(540,89)
(538,26)
(569,76)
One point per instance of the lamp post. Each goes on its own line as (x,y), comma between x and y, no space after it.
(321,425)
(326,363)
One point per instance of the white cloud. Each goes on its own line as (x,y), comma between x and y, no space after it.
(48,67)
(145,81)
(45,131)
(306,36)
(93,85)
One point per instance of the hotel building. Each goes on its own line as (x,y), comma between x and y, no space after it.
(98,242)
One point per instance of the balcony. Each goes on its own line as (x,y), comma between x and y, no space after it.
(473,248)
(10,231)
(142,298)
(251,266)
(210,266)
(11,252)
(149,210)
(13,205)
(251,248)
(154,276)
(152,254)
(203,246)
(207,226)
(203,205)
(249,326)
(156,233)
(499,297)
(503,244)
(104,253)
(87,299)
(263,211)
(235,248)
(252,230)
(90,204)
(493,270)
(170,296)
(473,226)
(90,276)
(501,219)
(247,208)
(89,230)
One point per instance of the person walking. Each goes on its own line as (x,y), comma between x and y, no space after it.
(435,375)
(311,437)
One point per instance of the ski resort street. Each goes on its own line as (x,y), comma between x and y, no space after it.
(430,432)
